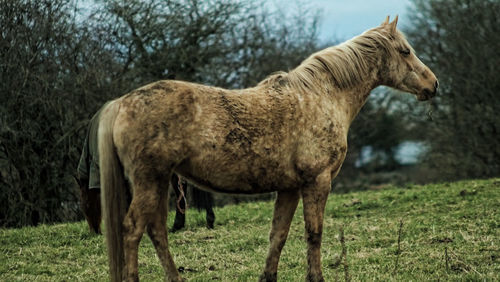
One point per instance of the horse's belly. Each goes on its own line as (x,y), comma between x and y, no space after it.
(239,177)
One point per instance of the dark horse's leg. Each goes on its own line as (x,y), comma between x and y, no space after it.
(180,218)
(210,211)
(204,200)
(284,209)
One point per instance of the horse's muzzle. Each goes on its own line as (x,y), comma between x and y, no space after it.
(428,93)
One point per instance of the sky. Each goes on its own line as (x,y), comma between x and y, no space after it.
(344,19)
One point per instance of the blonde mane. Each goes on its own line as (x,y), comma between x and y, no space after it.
(346,64)
(273,78)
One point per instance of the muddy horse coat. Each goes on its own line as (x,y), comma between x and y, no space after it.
(287,134)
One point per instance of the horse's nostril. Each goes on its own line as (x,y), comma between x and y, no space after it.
(436,85)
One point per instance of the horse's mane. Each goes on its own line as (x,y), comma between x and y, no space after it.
(273,78)
(345,64)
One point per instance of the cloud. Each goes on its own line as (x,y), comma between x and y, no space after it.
(343,19)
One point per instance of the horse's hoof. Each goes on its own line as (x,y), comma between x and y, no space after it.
(315,278)
(175,229)
(268,277)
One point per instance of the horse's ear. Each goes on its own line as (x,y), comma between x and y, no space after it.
(393,25)
(386,21)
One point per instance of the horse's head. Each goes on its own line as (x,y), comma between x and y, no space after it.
(90,204)
(401,68)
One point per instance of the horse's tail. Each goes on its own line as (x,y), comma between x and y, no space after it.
(113,192)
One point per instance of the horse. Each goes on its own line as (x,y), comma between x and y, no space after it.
(201,200)
(90,205)
(287,134)
(87,177)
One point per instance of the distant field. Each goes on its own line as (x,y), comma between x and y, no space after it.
(450,231)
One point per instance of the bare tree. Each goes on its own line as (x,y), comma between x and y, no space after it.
(460,39)
(57,66)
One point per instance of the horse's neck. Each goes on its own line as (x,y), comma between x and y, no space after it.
(347,98)
(350,101)
(354,99)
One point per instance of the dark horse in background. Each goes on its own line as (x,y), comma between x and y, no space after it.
(201,200)
(89,183)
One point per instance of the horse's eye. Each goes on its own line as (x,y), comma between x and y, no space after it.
(405,52)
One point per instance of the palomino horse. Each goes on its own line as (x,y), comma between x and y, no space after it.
(287,134)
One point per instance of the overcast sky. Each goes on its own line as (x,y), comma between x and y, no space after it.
(343,19)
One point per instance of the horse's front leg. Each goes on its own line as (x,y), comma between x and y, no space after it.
(284,209)
(314,201)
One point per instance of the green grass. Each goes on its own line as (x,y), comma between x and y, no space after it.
(461,217)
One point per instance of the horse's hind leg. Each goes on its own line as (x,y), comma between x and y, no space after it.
(209,208)
(210,216)
(145,202)
(314,201)
(157,231)
(284,209)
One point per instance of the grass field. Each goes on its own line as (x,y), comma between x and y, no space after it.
(449,231)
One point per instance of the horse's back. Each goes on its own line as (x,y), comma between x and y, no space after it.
(220,139)
(244,141)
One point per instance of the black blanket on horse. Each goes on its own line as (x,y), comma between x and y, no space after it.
(88,167)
